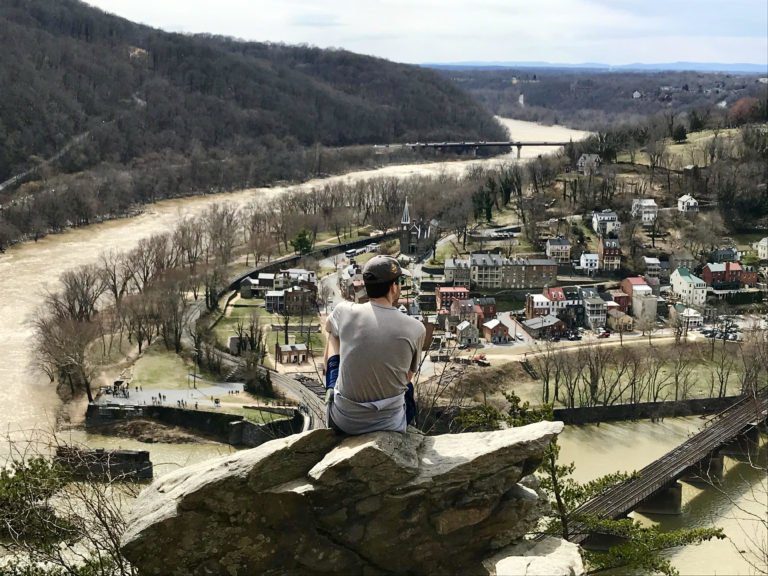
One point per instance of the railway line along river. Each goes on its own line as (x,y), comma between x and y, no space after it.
(28,401)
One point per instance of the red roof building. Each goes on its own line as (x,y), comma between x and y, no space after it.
(445,295)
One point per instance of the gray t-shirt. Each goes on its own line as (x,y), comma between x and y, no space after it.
(379,346)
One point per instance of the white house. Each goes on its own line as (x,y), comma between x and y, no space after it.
(589,263)
(762,249)
(605,222)
(687,204)
(690,289)
(467,333)
(645,210)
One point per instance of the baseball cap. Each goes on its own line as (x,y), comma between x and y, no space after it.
(382,269)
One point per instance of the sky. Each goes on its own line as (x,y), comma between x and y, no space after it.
(434,31)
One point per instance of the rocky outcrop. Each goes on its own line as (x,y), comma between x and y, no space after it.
(382,503)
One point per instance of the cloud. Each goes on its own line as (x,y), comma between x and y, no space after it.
(610,31)
(315,20)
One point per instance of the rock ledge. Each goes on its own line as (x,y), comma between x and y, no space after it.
(382,503)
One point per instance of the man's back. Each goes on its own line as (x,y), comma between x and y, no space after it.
(379,346)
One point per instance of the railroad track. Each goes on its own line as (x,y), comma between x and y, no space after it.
(618,501)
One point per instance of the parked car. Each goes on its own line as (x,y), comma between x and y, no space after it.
(520,336)
(604,335)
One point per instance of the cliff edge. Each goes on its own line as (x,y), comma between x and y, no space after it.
(382,503)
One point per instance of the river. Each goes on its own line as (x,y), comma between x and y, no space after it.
(28,401)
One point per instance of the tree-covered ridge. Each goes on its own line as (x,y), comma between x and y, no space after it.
(69,69)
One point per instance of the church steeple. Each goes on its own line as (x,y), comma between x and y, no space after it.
(406,215)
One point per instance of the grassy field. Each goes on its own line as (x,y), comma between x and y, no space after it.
(158,368)
(692,151)
(240,310)
(702,370)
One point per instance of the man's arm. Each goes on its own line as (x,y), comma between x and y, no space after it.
(416,360)
(332,347)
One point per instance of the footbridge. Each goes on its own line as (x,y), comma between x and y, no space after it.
(473,147)
(655,488)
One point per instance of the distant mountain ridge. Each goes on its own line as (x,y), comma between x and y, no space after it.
(734,68)
(70,71)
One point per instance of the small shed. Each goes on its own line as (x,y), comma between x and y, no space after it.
(290,353)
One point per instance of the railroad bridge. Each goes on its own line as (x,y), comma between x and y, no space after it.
(473,147)
(655,488)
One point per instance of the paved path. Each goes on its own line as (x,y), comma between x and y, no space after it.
(205,394)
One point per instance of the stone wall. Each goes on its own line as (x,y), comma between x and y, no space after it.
(383,503)
(644,410)
(228,428)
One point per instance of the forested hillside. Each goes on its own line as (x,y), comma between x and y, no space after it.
(67,69)
(595,99)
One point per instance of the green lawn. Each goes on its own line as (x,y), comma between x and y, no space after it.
(316,340)
(158,368)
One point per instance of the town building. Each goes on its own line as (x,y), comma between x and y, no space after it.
(589,263)
(687,204)
(486,270)
(687,318)
(645,210)
(544,326)
(595,312)
(609,254)
(290,353)
(573,315)
(537,305)
(445,295)
(621,298)
(467,310)
(725,255)
(689,289)
(644,309)
(247,287)
(762,249)
(588,163)
(487,307)
(493,271)
(619,321)
(294,277)
(495,331)
(467,333)
(556,297)
(457,272)
(606,223)
(652,266)
(274,301)
(633,286)
(299,301)
(728,275)
(417,237)
(681,259)
(559,250)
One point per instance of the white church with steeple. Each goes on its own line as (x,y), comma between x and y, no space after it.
(417,237)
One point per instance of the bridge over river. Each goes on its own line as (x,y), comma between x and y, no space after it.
(655,487)
(473,147)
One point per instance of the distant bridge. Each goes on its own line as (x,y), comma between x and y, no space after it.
(475,146)
(693,455)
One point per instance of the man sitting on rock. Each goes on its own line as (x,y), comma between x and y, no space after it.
(372,354)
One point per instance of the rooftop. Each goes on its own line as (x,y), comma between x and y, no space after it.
(541,322)
(724,266)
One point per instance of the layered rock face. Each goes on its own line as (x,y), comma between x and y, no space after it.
(382,503)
